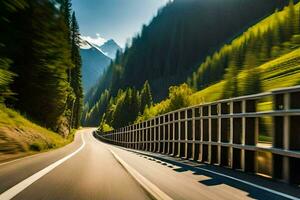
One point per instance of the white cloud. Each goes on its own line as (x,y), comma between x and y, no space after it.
(97,41)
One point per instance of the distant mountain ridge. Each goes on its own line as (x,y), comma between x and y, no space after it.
(110,48)
(95,59)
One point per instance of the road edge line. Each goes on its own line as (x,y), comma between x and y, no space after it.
(278,193)
(19,187)
(152,189)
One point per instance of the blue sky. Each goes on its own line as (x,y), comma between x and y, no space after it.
(116,19)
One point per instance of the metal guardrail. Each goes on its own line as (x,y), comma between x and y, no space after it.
(227,133)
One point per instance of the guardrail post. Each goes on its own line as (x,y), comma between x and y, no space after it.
(243,135)
(130,136)
(186,134)
(166,133)
(294,139)
(250,128)
(144,138)
(214,130)
(155,134)
(181,148)
(193,133)
(177,133)
(152,134)
(171,133)
(197,127)
(209,146)
(219,112)
(237,135)
(231,137)
(148,138)
(286,138)
(136,136)
(201,135)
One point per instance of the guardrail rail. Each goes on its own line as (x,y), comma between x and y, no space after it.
(228,133)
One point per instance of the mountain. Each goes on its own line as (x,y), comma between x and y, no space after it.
(110,48)
(176,42)
(94,62)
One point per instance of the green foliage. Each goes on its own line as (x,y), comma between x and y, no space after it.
(76,76)
(146,96)
(265,41)
(124,108)
(252,64)
(18,134)
(6,77)
(179,97)
(39,47)
(182,34)
(104,127)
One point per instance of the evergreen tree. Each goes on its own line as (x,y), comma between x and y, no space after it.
(146,97)
(76,83)
(8,8)
(40,58)
(6,77)
(66,9)
(231,84)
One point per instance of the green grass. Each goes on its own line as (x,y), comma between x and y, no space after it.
(281,72)
(209,94)
(264,138)
(19,135)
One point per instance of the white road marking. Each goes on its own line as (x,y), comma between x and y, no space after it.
(13,191)
(240,180)
(252,184)
(145,183)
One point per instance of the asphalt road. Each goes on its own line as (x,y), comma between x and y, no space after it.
(87,169)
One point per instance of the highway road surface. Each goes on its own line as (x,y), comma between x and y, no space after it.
(88,169)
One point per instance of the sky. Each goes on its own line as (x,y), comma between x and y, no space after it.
(101,20)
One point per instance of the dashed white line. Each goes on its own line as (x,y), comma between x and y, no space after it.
(13,191)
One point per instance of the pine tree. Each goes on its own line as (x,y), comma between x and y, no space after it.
(6,76)
(66,9)
(146,96)
(40,56)
(231,84)
(76,82)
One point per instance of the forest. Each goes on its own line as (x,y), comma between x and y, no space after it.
(40,71)
(232,40)
(264,57)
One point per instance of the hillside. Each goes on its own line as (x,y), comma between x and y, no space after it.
(278,73)
(252,66)
(20,137)
(164,53)
(40,63)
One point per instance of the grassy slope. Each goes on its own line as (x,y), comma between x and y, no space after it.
(281,72)
(19,136)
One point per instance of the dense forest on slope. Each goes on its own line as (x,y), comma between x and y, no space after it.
(265,57)
(272,37)
(122,109)
(40,71)
(179,38)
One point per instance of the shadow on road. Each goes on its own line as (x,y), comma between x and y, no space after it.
(197,169)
